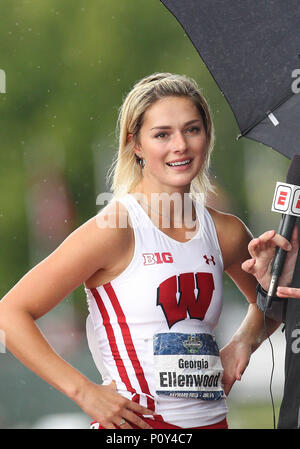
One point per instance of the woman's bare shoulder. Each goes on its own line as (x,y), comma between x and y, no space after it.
(227,221)
(233,235)
(106,234)
(86,250)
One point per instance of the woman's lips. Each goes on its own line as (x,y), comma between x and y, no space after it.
(180,165)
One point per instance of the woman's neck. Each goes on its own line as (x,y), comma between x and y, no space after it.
(174,209)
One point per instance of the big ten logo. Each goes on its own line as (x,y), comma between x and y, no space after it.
(296,82)
(2,82)
(2,342)
(157,258)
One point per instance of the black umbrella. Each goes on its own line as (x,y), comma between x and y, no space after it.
(252,50)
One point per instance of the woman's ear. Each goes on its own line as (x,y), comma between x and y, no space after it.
(129,138)
(137,147)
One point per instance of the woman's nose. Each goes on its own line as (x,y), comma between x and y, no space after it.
(179,142)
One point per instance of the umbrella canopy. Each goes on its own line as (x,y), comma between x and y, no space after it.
(252,50)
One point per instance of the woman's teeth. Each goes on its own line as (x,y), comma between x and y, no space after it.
(174,164)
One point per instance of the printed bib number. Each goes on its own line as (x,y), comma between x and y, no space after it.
(187,366)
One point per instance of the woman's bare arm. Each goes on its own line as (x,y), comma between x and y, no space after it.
(234,238)
(83,252)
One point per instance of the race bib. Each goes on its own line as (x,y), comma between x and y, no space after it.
(187,366)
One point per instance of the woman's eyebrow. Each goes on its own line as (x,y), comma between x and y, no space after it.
(190,122)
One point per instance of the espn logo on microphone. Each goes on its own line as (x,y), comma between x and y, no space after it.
(286,199)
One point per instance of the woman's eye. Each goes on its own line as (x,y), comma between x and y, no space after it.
(193,130)
(161,135)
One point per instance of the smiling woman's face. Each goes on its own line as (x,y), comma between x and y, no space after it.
(173,143)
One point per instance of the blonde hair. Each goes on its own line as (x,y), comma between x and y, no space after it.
(126,171)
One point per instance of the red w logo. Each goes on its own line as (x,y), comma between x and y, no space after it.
(193,296)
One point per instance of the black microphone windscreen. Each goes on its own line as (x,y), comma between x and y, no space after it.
(293,174)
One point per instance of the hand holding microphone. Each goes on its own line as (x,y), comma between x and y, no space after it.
(270,264)
(262,250)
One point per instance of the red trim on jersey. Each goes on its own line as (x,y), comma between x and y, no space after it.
(112,341)
(130,346)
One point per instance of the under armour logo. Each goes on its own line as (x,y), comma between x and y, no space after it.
(209,260)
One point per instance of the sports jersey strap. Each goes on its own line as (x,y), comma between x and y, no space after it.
(210,228)
(137,220)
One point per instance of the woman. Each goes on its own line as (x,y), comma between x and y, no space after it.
(152,274)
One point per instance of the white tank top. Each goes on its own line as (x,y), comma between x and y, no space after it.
(151,328)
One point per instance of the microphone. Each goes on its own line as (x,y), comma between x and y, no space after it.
(286,201)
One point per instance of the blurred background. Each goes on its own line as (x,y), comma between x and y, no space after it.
(68,65)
